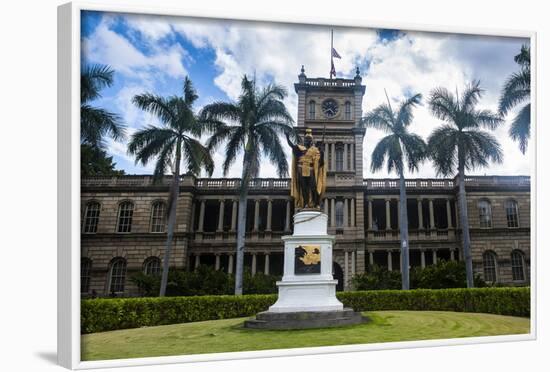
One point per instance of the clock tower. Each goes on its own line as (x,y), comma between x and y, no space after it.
(332,109)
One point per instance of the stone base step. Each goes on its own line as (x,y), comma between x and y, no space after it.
(305,319)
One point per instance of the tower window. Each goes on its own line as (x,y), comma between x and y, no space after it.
(339,213)
(339,157)
(311,110)
(347,111)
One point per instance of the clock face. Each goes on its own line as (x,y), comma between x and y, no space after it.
(330,108)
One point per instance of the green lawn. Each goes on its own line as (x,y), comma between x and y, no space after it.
(229,335)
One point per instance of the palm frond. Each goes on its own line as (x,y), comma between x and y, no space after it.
(486,118)
(197,156)
(149,142)
(156,105)
(380,118)
(443,105)
(517,88)
(520,130)
(404,113)
(93,78)
(415,150)
(479,148)
(471,96)
(219,112)
(272,148)
(236,140)
(442,149)
(95,123)
(164,159)
(189,93)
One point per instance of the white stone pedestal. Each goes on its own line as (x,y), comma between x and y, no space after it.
(308,292)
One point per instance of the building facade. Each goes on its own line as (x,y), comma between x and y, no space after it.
(124,218)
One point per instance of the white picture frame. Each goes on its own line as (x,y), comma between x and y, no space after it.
(69,186)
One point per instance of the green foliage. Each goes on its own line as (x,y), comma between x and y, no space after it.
(120,313)
(503,301)
(445,274)
(377,278)
(95,162)
(204,281)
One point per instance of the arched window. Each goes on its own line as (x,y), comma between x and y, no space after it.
(339,213)
(85,267)
(151,266)
(485,216)
(347,110)
(339,157)
(158,217)
(125,214)
(311,114)
(91,217)
(117,278)
(490,266)
(518,266)
(512,213)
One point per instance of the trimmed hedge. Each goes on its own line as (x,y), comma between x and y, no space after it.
(99,315)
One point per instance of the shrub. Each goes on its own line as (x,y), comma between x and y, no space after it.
(204,280)
(377,278)
(119,313)
(445,274)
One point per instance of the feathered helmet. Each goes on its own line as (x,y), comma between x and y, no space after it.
(309,133)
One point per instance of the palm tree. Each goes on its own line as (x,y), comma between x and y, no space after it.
(96,123)
(517,89)
(397,148)
(168,146)
(252,124)
(461,144)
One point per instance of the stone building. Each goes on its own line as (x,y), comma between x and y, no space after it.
(124,218)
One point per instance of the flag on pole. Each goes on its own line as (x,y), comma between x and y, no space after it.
(335,54)
(332,69)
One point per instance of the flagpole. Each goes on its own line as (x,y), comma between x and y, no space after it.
(331,47)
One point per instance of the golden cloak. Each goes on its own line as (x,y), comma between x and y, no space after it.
(312,156)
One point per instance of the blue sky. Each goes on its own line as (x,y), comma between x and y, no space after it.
(154,53)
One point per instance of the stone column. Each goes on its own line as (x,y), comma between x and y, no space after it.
(256,214)
(220,216)
(352,223)
(432,221)
(352,264)
(346,269)
(325,206)
(369,209)
(422,258)
(449,219)
(201,216)
(325,155)
(345,162)
(266,264)
(346,212)
(388,216)
(352,157)
(234,215)
(192,222)
(217,267)
(230,264)
(269,212)
(434,256)
(420,216)
(287,217)
(253,270)
(332,212)
(197,260)
(390,263)
(452,254)
(333,156)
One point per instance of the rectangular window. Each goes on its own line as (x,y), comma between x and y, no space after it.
(512,214)
(158,217)
(348,111)
(339,209)
(517,267)
(125,214)
(339,158)
(91,218)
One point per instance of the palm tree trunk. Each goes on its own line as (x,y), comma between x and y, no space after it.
(241,231)
(465,226)
(404,231)
(174,191)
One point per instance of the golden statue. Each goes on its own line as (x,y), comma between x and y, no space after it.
(308,173)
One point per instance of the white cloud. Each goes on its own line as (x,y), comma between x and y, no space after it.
(414,62)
